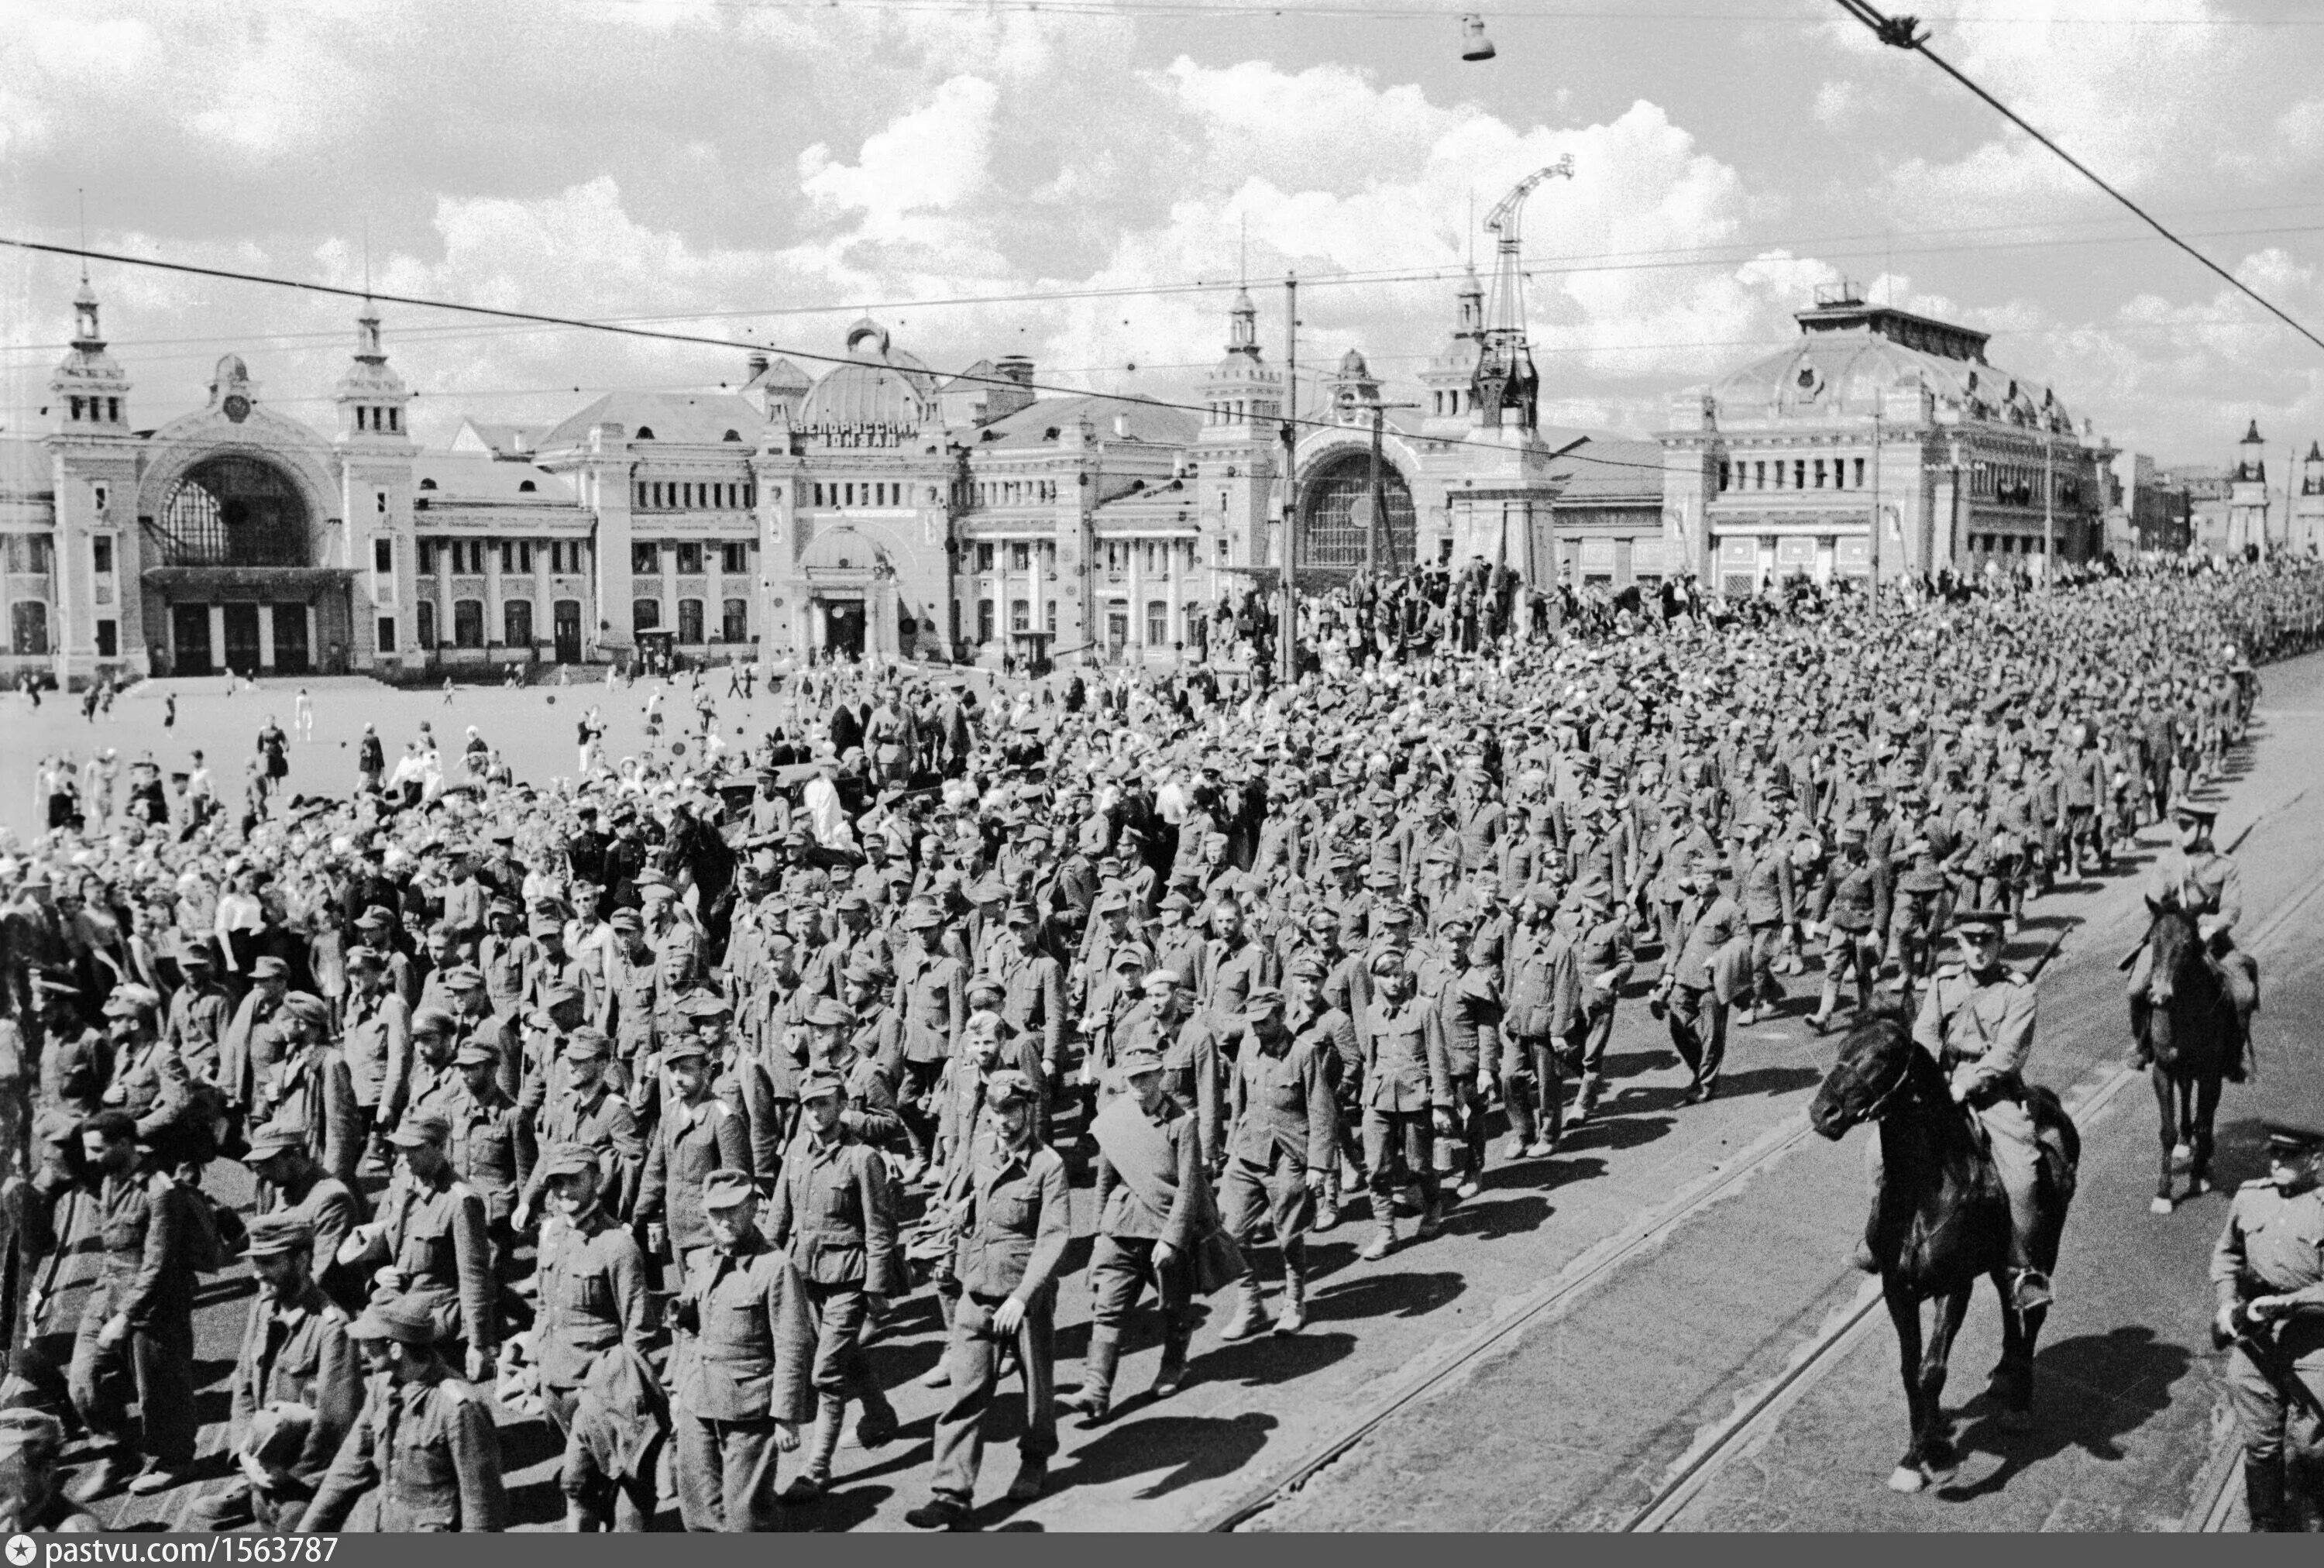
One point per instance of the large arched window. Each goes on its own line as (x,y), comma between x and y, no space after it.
(467,623)
(645,615)
(735,621)
(689,620)
(231,512)
(1334,499)
(28,627)
(516,623)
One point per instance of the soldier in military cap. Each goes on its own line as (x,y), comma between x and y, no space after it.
(2267,1282)
(742,1371)
(1977,1019)
(2206,884)
(1152,1197)
(135,1337)
(491,1146)
(868,1107)
(1314,1018)
(582,1109)
(149,1079)
(835,1209)
(699,1133)
(250,1046)
(592,1335)
(298,1386)
(295,1189)
(424,1455)
(1851,912)
(310,1088)
(200,1012)
(1010,1226)
(1408,1096)
(375,1040)
(1284,1144)
(430,1245)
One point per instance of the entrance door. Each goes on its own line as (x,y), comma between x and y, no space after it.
(241,639)
(189,640)
(567,614)
(291,655)
(1117,629)
(843,628)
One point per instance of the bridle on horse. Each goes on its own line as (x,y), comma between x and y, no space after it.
(1879,1106)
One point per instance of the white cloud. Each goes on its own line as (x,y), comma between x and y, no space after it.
(933,159)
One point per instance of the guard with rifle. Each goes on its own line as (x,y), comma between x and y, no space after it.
(2267,1273)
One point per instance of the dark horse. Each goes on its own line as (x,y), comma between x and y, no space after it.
(1942,1223)
(2192,1032)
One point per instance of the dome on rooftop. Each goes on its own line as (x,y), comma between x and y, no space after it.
(880,385)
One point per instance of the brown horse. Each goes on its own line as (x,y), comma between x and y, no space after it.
(2194,1034)
(1940,1223)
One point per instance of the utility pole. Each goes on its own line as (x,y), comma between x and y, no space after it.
(2049,515)
(1874,563)
(1378,529)
(1287,635)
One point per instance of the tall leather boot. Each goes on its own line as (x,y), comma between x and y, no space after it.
(1250,1317)
(2263,1495)
(875,1421)
(1327,1203)
(1293,1316)
(1383,1239)
(1178,1335)
(1093,1400)
(814,1476)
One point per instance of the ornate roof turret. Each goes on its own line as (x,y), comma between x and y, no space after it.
(371,396)
(88,392)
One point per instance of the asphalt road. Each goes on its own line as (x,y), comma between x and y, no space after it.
(1574,1420)
(1580,1423)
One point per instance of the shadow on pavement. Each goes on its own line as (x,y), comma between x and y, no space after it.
(1382,1295)
(1186,1448)
(2088,1392)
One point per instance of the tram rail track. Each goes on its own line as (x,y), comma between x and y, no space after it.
(1737,1432)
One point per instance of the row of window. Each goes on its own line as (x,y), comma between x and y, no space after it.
(379,420)
(1003,492)
(865,492)
(691,496)
(465,557)
(1448,401)
(108,410)
(733,556)
(734,622)
(2020,485)
(1117,620)
(1236,411)
(1794,474)
(2008,544)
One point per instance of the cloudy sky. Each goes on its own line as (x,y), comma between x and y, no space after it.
(1074,182)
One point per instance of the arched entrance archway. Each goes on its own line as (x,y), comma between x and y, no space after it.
(234,573)
(1334,500)
(232,511)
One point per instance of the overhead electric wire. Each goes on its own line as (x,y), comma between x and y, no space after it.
(1905,32)
(307,285)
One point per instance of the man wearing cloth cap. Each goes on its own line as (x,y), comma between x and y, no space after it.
(136,1331)
(464,987)
(200,1012)
(1010,1227)
(1033,994)
(1285,1140)
(1977,1018)
(1852,909)
(250,1044)
(294,1188)
(741,1368)
(375,1038)
(699,1133)
(424,1455)
(430,1244)
(1407,1098)
(298,1386)
(2267,1279)
(149,1080)
(2208,886)
(491,1146)
(1465,992)
(1603,962)
(582,1109)
(867,1106)
(1713,961)
(591,1332)
(1152,1197)
(310,1088)
(929,989)
(506,956)
(834,1210)
(1192,1074)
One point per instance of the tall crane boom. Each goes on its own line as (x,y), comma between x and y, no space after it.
(1505,379)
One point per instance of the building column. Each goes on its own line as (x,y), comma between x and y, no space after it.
(1136,640)
(265,635)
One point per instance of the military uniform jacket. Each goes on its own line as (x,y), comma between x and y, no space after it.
(1034,997)
(751,1353)
(1013,1223)
(1283,1106)
(592,1295)
(300,1354)
(375,1038)
(431,1449)
(1855,899)
(1544,985)
(691,1142)
(1469,1006)
(928,988)
(2206,884)
(1191,1069)
(1980,1026)
(492,1148)
(435,1233)
(835,1209)
(1173,1145)
(1406,1066)
(196,1026)
(1766,883)
(599,1121)
(1710,921)
(2273,1245)
(146,1224)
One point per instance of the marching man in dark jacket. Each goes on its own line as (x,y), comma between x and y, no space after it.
(1010,1230)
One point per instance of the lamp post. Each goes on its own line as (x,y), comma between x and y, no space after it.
(1287,633)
